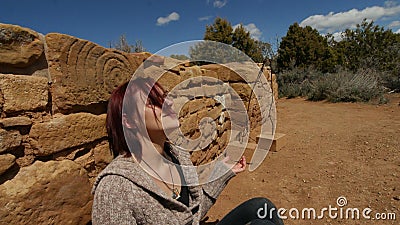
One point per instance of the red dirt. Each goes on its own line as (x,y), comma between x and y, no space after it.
(331,150)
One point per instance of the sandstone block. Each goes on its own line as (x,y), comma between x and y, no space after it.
(189,124)
(223,140)
(273,142)
(191,92)
(198,104)
(9,140)
(213,113)
(84,73)
(209,73)
(15,121)
(66,132)
(191,72)
(6,161)
(243,90)
(243,72)
(23,93)
(239,117)
(180,105)
(213,90)
(102,155)
(169,80)
(54,192)
(19,47)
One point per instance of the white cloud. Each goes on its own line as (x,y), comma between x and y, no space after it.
(255,33)
(165,20)
(397,31)
(204,18)
(337,36)
(393,24)
(333,22)
(220,3)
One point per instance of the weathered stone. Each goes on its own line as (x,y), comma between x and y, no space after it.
(54,192)
(224,73)
(9,140)
(6,162)
(169,80)
(243,72)
(213,113)
(191,92)
(23,93)
(66,132)
(191,72)
(198,104)
(239,72)
(19,47)
(243,90)
(189,124)
(209,73)
(207,127)
(223,140)
(85,160)
(180,106)
(84,73)
(102,155)
(213,90)
(205,156)
(15,121)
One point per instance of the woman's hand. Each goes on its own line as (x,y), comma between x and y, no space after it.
(240,166)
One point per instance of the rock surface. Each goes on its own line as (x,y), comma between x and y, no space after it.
(54,192)
(84,73)
(9,140)
(66,132)
(23,93)
(6,162)
(15,121)
(19,46)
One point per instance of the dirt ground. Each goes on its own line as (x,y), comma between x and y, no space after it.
(332,150)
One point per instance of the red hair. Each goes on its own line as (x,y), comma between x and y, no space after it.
(115,129)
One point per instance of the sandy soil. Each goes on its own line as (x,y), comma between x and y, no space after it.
(331,150)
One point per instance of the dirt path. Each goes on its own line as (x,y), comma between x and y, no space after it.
(332,150)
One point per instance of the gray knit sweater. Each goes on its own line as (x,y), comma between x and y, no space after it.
(125,194)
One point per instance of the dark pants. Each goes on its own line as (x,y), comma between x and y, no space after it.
(253,211)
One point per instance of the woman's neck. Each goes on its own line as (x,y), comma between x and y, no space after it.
(152,152)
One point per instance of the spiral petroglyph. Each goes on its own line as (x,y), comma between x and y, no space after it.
(79,67)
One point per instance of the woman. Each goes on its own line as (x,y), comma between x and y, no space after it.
(139,186)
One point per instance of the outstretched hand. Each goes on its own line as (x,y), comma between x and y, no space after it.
(240,166)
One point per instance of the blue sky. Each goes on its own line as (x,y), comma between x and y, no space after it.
(161,23)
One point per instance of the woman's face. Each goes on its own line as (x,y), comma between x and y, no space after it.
(158,119)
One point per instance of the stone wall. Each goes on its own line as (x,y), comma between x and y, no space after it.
(53,96)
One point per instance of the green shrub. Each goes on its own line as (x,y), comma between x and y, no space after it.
(391,81)
(343,86)
(296,82)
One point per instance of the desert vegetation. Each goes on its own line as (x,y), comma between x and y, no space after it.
(361,65)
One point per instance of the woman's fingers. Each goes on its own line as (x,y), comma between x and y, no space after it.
(240,166)
(243,162)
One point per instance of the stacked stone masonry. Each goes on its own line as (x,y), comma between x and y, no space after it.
(54,90)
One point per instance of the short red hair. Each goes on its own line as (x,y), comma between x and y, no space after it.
(115,129)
